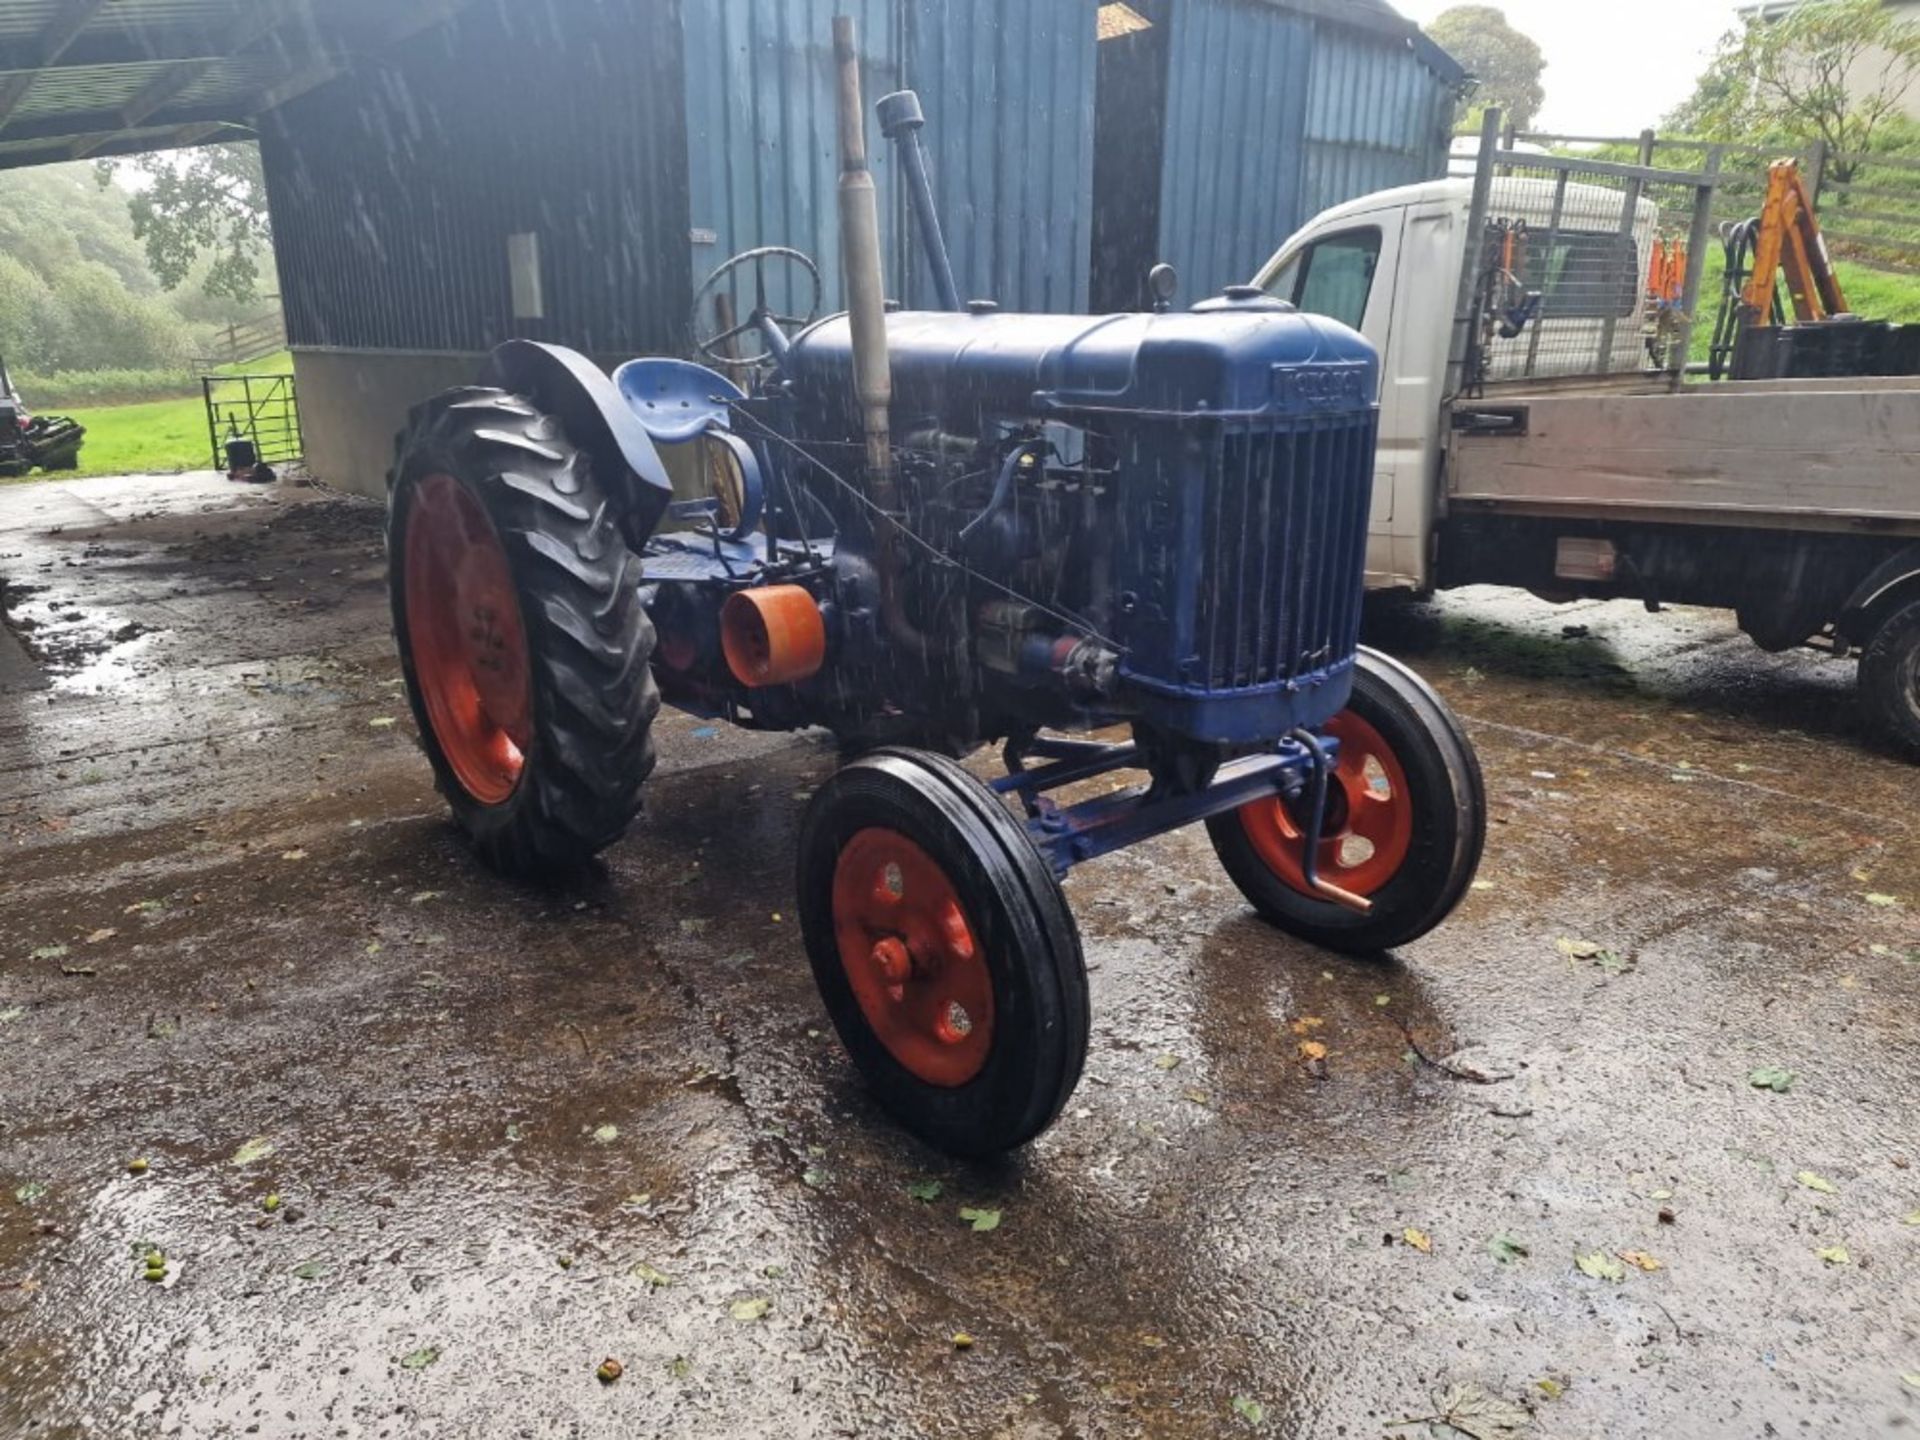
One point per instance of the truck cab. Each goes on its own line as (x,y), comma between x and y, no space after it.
(1388,264)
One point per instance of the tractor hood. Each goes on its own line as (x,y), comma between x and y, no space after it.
(1244,354)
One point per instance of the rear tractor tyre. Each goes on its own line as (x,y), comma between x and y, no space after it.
(521,634)
(944,951)
(1406,821)
(1890,678)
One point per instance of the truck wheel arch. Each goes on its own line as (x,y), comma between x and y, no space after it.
(1887,587)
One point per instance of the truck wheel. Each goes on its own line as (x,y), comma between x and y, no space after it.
(522,637)
(1406,820)
(944,951)
(1890,678)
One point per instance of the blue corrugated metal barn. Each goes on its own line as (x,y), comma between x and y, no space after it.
(571,169)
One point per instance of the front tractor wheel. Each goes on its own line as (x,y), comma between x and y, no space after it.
(1405,822)
(521,634)
(944,951)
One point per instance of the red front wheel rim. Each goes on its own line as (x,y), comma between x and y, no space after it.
(912,958)
(468,642)
(1369,825)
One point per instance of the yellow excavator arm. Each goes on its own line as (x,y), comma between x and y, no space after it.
(1788,243)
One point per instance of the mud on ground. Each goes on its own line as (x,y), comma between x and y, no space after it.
(423,1148)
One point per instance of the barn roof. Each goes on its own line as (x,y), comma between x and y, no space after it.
(82,78)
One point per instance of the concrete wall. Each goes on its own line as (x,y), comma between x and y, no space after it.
(353,402)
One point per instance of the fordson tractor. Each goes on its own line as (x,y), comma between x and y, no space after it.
(1129,543)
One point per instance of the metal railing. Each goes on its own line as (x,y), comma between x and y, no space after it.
(262,408)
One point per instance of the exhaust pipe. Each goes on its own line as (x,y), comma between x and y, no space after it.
(867,324)
(860,255)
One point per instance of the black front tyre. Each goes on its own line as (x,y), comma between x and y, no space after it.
(1890,678)
(521,634)
(1406,821)
(944,951)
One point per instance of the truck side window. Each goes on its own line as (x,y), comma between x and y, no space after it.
(1332,277)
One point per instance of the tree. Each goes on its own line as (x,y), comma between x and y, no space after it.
(208,202)
(1506,63)
(1836,71)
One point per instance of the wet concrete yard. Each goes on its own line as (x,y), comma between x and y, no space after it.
(513,1132)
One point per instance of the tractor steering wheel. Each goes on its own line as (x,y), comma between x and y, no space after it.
(727,325)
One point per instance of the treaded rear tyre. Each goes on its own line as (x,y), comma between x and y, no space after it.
(1890,679)
(1445,823)
(586,639)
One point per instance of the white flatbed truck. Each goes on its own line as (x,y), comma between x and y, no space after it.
(1555,459)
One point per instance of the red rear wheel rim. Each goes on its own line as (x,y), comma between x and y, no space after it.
(1369,825)
(468,643)
(912,958)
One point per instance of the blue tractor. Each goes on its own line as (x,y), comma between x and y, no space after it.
(1127,543)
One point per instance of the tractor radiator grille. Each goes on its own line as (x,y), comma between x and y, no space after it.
(1285,534)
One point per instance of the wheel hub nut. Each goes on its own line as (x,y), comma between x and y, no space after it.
(893,960)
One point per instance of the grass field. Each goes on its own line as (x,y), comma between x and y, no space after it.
(155,436)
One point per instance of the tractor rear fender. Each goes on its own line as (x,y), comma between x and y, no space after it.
(1893,579)
(577,393)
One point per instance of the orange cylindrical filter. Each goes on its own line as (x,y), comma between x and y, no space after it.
(773,635)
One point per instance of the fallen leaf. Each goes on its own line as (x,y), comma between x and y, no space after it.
(50,952)
(1312,1050)
(1816,1182)
(1249,1409)
(1166,1062)
(105,932)
(1640,1260)
(656,1279)
(1473,1412)
(78,970)
(1307,1023)
(1912,1217)
(815,1179)
(144,907)
(1835,1255)
(1912,1377)
(30,1192)
(11,1013)
(1600,1265)
(1773,1077)
(293,854)
(381,722)
(606,1134)
(962,1340)
(270,1204)
(1874,897)
(981,1220)
(1197,1097)
(309,1270)
(1418,1239)
(926,1191)
(1506,1249)
(421,1358)
(1576,949)
(257,1148)
(421,897)
(1383,1000)
(749,1309)
(1550,1387)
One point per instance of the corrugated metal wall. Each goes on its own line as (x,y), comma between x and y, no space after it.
(1377,117)
(1237,85)
(763,156)
(1008,87)
(394,187)
(1273,114)
(645,140)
